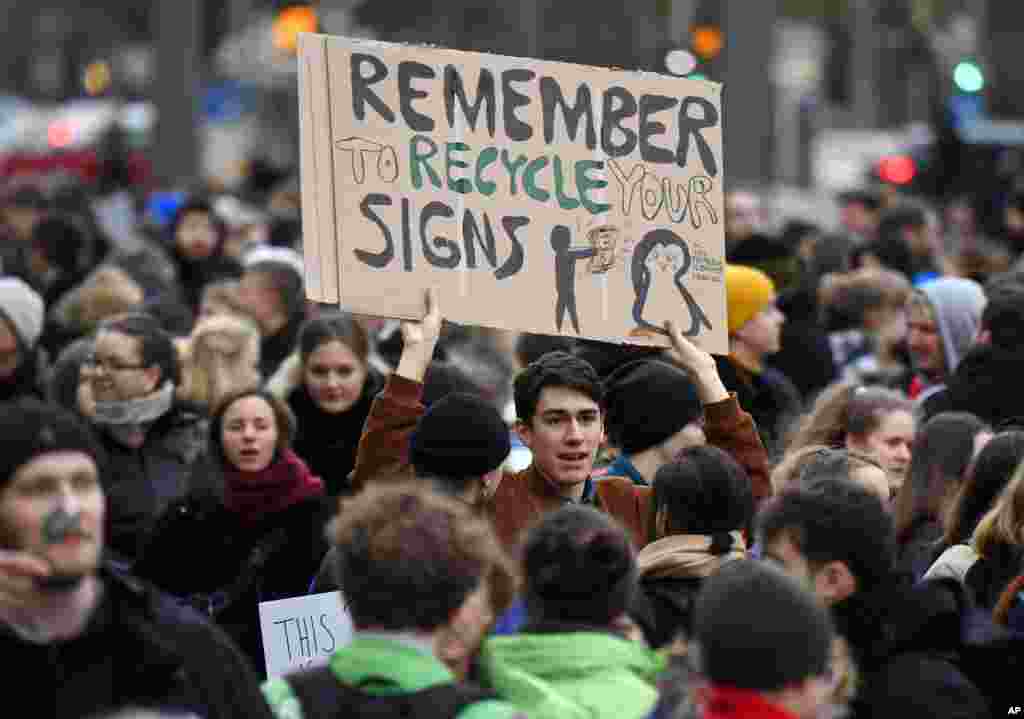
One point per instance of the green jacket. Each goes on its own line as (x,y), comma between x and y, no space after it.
(409,669)
(575,675)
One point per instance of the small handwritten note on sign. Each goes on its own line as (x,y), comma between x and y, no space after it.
(535,196)
(303,631)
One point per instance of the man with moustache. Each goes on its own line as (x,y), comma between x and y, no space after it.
(87,638)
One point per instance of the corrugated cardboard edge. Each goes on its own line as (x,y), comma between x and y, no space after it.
(320,237)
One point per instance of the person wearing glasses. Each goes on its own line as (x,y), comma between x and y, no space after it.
(128,390)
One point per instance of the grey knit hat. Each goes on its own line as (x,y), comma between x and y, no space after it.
(23,308)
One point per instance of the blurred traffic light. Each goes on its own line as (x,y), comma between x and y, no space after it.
(291,19)
(968,76)
(96,78)
(897,169)
(707,41)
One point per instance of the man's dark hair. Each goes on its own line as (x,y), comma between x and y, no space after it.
(1003,315)
(156,345)
(896,219)
(791,642)
(579,567)
(286,281)
(832,519)
(200,205)
(555,369)
(408,557)
(704,491)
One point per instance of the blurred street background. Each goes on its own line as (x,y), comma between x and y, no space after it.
(821,96)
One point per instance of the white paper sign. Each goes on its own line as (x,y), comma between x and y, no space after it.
(304,631)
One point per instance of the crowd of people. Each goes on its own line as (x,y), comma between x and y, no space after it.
(826,521)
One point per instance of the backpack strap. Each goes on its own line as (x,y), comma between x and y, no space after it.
(323,696)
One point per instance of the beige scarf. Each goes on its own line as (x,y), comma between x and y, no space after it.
(684,556)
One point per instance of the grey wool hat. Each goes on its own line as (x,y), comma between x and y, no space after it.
(23,308)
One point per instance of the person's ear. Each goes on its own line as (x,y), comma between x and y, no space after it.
(153,376)
(834,582)
(525,432)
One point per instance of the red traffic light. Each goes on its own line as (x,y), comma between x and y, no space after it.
(897,169)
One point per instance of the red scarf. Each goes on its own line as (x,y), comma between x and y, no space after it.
(726,702)
(253,495)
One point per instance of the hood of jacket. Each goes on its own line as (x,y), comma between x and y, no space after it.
(958,304)
(573,675)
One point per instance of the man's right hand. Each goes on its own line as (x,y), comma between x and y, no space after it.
(18,574)
(419,340)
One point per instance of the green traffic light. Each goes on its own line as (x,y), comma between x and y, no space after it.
(967,76)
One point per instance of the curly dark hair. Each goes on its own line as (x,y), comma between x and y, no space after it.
(408,557)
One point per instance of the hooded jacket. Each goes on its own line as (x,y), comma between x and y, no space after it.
(573,675)
(384,666)
(957,304)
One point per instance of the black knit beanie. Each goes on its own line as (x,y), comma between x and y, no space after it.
(647,402)
(757,628)
(459,436)
(29,428)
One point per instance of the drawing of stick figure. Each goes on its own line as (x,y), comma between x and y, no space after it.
(566,258)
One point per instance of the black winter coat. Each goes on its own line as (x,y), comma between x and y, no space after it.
(663,607)
(989,576)
(203,553)
(907,643)
(139,650)
(769,397)
(140,483)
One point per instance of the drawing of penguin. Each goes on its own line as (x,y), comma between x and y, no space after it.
(660,262)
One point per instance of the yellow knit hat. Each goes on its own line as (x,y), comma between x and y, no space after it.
(748,291)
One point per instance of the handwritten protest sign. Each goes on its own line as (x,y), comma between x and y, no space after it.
(536,196)
(303,631)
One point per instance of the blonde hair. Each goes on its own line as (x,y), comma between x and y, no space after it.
(221,356)
(1004,523)
(107,292)
(225,293)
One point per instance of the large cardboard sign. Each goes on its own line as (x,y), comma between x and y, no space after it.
(302,632)
(536,196)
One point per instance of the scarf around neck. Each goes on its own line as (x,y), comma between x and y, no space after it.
(254,495)
(135,412)
(683,556)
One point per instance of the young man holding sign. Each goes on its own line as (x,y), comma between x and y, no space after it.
(560,408)
(558,400)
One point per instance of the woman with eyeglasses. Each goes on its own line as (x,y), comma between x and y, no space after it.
(128,391)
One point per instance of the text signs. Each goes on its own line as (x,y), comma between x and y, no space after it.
(535,196)
(302,632)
